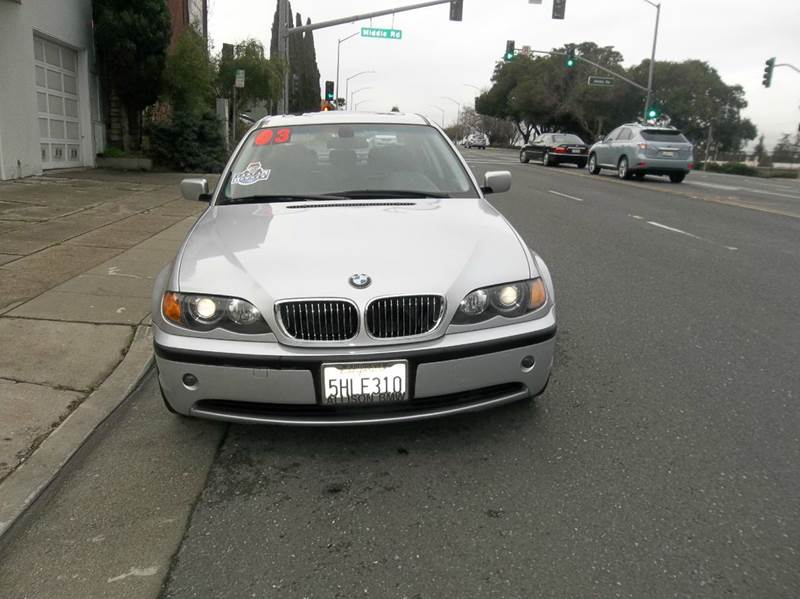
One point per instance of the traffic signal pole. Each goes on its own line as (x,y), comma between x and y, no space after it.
(285,30)
(652,60)
(595,65)
(368,15)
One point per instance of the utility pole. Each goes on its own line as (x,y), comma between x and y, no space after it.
(652,60)
(338,51)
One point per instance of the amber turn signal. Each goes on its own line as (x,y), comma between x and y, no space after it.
(171,306)
(538,294)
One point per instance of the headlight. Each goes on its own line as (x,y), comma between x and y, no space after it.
(509,300)
(207,312)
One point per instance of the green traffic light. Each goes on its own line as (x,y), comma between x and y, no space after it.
(652,114)
(570,62)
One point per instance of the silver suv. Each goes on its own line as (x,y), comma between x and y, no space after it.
(477,140)
(636,150)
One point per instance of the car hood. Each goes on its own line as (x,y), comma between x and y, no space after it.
(269,252)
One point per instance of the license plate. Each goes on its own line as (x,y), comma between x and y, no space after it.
(667,153)
(364,383)
(575,150)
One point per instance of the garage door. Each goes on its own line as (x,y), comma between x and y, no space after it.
(56,75)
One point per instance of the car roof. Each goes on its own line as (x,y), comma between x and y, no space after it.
(337,117)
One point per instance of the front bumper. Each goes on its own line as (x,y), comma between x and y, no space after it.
(271,383)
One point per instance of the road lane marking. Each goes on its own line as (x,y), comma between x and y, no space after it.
(692,235)
(714,185)
(636,216)
(740,188)
(563,195)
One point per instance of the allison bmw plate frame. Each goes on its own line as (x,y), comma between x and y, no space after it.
(364,383)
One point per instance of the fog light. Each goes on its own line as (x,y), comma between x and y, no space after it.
(527,363)
(189,380)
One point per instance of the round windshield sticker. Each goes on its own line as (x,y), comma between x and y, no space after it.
(252,174)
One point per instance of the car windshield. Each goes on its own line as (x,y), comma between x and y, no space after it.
(567,139)
(663,135)
(346,160)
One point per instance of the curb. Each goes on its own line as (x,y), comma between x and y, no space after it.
(25,485)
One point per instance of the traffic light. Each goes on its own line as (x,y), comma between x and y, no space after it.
(509,50)
(456,9)
(653,111)
(571,60)
(559,8)
(767,80)
(329,91)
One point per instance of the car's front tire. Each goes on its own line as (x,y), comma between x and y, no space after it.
(677,177)
(523,158)
(593,168)
(623,172)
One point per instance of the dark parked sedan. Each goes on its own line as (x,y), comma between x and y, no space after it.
(555,148)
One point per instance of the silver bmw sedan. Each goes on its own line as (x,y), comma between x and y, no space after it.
(337,280)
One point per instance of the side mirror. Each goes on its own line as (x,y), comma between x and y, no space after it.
(195,190)
(496,182)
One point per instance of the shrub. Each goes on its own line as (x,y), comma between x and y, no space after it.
(189,142)
(730,168)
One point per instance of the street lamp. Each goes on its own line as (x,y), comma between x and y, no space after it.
(440,109)
(347,84)
(357,91)
(652,59)
(338,48)
(458,107)
(360,103)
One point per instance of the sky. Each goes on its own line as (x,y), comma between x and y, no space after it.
(439,59)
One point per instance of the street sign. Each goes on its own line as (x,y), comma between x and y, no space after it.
(601,81)
(239,78)
(559,8)
(380,33)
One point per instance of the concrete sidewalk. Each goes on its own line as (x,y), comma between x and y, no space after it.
(78,254)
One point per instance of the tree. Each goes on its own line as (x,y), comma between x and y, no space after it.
(131,40)
(540,93)
(189,74)
(760,154)
(263,77)
(310,74)
(304,90)
(189,136)
(785,150)
(395,109)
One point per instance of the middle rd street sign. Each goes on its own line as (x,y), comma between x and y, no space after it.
(380,33)
(601,81)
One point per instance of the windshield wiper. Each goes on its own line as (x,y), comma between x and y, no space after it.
(389,193)
(263,199)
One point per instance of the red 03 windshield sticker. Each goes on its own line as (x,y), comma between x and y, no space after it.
(266,137)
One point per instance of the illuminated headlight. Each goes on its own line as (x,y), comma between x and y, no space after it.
(509,300)
(207,312)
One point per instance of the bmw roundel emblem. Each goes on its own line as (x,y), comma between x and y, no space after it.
(360,281)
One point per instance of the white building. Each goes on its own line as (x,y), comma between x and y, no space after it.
(49,102)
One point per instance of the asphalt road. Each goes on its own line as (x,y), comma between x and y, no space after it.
(661,461)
